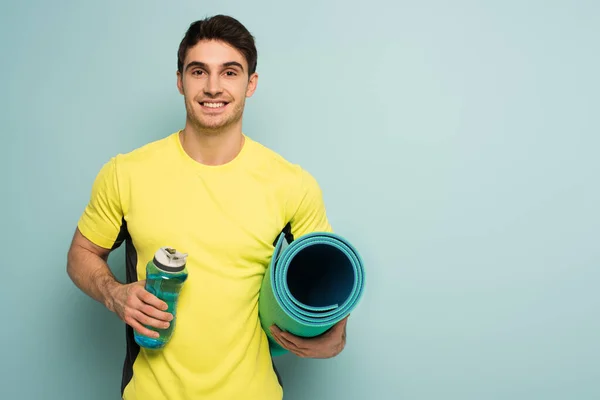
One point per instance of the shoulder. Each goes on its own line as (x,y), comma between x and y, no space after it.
(144,157)
(125,167)
(303,192)
(279,167)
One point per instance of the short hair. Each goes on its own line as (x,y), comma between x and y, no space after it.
(223,28)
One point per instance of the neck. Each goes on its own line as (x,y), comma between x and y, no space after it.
(212,147)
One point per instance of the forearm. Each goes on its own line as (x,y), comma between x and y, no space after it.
(91,274)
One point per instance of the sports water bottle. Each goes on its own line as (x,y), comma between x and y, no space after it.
(165,275)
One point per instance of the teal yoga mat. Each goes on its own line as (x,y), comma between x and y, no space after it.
(310,285)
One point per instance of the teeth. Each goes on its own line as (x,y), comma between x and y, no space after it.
(214,105)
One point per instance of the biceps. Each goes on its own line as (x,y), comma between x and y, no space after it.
(80,242)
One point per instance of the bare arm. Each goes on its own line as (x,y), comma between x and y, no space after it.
(88,269)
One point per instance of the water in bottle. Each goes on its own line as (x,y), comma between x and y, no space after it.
(165,276)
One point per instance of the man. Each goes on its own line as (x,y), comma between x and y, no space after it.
(223,198)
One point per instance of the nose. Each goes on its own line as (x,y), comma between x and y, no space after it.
(213,85)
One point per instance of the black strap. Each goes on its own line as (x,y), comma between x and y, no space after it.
(287,231)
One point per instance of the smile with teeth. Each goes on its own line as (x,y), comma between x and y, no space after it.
(213,105)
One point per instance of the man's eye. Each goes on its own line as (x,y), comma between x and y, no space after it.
(197,72)
(231,73)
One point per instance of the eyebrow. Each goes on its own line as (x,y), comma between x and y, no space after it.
(204,66)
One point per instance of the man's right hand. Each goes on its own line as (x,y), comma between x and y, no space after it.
(137,307)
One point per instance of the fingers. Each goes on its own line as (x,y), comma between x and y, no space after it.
(147,320)
(327,345)
(139,320)
(150,305)
(289,346)
(142,330)
(147,313)
(142,310)
(285,341)
(151,299)
(295,341)
(153,312)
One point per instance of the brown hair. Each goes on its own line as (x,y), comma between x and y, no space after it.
(223,28)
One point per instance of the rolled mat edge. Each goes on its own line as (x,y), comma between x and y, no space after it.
(278,306)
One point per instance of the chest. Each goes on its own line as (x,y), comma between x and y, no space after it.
(226,222)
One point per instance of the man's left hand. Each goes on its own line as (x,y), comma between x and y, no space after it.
(327,345)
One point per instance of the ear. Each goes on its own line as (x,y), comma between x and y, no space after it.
(179,82)
(252,82)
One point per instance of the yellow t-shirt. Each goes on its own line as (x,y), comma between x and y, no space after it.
(226,218)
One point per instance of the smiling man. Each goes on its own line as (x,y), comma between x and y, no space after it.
(211,191)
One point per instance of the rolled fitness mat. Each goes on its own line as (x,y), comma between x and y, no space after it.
(310,285)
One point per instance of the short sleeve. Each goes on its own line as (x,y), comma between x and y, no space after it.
(102,218)
(309,211)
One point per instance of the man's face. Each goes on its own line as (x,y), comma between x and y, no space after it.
(215,84)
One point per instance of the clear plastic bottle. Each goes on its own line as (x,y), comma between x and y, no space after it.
(165,276)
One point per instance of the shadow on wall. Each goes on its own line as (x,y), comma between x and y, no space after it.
(296,372)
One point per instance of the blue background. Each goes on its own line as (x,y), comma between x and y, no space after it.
(457,145)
